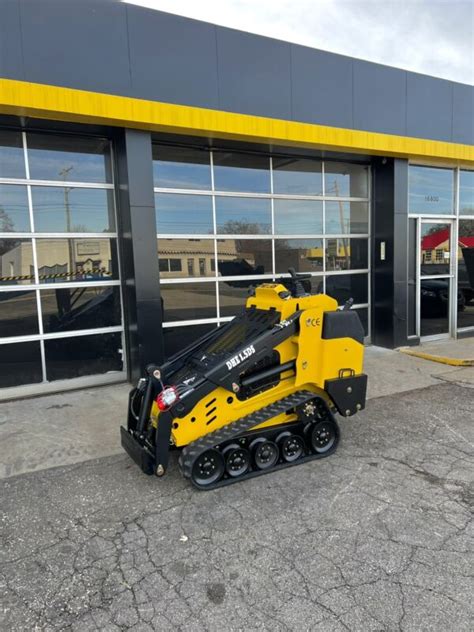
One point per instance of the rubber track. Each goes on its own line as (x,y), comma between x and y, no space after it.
(190,453)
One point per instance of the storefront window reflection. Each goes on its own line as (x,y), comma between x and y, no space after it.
(465,257)
(51,285)
(255,217)
(431,191)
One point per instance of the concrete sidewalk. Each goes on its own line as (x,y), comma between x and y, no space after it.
(67,428)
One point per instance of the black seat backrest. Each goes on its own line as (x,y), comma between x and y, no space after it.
(342,324)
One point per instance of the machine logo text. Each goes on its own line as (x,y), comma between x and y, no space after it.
(240,357)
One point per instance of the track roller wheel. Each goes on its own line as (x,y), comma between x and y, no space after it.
(323,436)
(265,453)
(237,459)
(208,468)
(291,446)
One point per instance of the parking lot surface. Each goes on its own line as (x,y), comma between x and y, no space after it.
(378,536)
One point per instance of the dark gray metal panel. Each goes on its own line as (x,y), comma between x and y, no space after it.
(379,98)
(139,169)
(400,252)
(254,74)
(390,275)
(138,249)
(11,54)
(79,44)
(172,59)
(463,114)
(112,47)
(321,87)
(429,107)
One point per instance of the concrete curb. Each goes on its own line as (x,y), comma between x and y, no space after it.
(437,358)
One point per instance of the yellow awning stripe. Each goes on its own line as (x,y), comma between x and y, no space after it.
(22,98)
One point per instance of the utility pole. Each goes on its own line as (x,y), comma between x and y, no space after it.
(64,173)
(341,221)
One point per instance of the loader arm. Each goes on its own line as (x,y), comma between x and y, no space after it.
(256,394)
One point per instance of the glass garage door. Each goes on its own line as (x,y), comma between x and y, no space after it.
(60,307)
(226,221)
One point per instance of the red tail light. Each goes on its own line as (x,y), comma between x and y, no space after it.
(167,397)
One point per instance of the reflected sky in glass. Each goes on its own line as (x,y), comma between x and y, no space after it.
(243,216)
(466,193)
(345,180)
(14,213)
(297,177)
(183,214)
(241,173)
(431,190)
(72,159)
(298,217)
(347,217)
(12,161)
(68,209)
(181,168)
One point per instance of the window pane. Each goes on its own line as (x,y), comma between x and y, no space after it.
(435,248)
(67,309)
(234,294)
(412,273)
(16,262)
(18,314)
(12,162)
(364,319)
(347,254)
(83,355)
(342,287)
(240,257)
(70,210)
(181,258)
(183,214)
(297,177)
(188,301)
(298,217)
(69,158)
(20,363)
(316,285)
(243,216)
(304,255)
(241,172)
(347,217)
(177,338)
(431,190)
(61,260)
(14,213)
(181,168)
(346,180)
(466,193)
(466,273)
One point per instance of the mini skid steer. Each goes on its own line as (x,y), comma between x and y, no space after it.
(255,395)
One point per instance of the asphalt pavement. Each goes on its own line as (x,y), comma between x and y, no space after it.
(378,536)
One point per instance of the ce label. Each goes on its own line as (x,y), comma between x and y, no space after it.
(313,322)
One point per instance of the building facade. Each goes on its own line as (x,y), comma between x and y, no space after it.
(154,168)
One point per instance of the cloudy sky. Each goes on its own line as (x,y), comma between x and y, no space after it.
(435,37)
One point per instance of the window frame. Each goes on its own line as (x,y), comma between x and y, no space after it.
(214,276)
(36,286)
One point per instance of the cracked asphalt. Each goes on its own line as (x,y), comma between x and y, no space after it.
(377,537)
